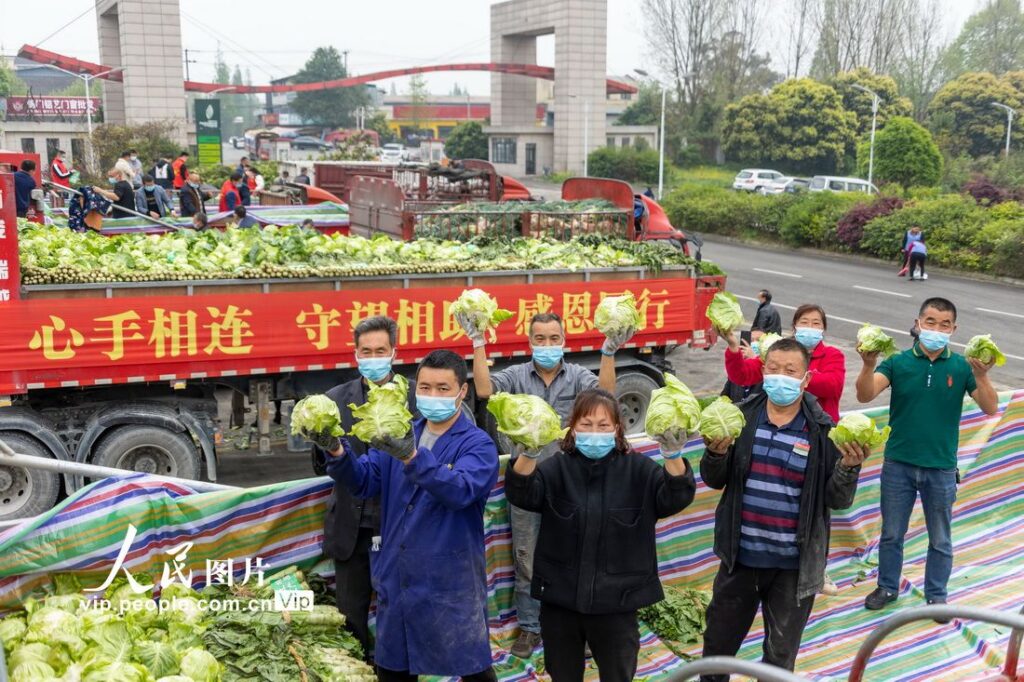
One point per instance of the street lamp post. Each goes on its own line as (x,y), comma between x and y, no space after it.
(874,118)
(1009,123)
(661,137)
(586,137)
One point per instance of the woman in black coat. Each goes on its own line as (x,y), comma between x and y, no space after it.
(596,561)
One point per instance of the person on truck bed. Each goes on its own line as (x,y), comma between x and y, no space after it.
(24,183)
(430,570)
(352,524)
(192,198)
(558,383)
(152,200)
(597,562)
(125,203)
(230,193)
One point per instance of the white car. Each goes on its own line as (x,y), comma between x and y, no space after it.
(833,183)
(753,179)
(784,185)
(393,153)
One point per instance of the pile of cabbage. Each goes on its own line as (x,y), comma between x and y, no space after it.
(527,420)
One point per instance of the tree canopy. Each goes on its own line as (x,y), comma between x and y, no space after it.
(329,108)
(859,102)
(962,117)
(991,40)
(905,154)
(466,141)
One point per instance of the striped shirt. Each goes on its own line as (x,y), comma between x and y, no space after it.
(771,497)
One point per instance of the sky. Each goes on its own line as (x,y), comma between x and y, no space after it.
(271,38)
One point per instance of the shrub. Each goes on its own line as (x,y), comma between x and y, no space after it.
(985,192)
(949,224)
(624,163)
(850,228)
(905,154)
(812,220)
(712,209)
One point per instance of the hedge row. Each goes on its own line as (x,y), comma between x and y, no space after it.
(960,232)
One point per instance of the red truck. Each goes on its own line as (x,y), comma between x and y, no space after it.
(144,376)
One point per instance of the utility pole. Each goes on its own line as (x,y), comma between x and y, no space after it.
(874,118)
(344,61)
(188,61)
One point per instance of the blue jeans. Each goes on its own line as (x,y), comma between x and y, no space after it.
(525,529)
(901,484)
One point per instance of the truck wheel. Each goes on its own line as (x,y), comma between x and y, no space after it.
(633,390)
(149,449)
(26,492)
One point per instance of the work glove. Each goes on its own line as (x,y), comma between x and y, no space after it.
(614,342)
(399,448)
(472,333)
(325,440)
(520,449)
(671,442)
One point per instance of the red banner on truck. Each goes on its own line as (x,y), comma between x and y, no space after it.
(10,274)
(66,342)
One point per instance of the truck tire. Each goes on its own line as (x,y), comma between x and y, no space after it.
(26,492)
(633,390)
(149,449)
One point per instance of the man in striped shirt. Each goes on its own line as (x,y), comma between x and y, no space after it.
(781,477)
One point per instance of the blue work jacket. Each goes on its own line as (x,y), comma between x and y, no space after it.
(430,571)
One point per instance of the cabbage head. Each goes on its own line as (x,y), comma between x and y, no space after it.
(527,420)
(984,349)
(482,310)
(724,312)
(616,314)
(672,408)
(316,414)
(11,630)
(33,671)
(160,658)
(764,343)
(871,339)
(859,428)
(385,413)
(200,665)
(721,419)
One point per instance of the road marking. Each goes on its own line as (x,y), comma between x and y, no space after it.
(882,291)
(781,274)
(999,312)
(861,323)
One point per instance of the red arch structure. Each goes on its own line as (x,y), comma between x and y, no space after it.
(42,56)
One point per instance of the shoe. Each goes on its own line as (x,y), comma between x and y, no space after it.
(829,588)
(879,599)
(940,621)
(525,644)
(924,276)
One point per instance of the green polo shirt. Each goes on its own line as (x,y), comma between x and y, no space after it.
(925,405)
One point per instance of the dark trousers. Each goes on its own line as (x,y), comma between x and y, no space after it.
(734,601)
(403,676)
(353,589)
(614,640)
(917,261)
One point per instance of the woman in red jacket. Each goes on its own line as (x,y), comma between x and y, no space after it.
(828,364)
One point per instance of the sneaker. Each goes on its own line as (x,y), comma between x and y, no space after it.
(879,599)
(525,644)
(941,621)
(924,276)
(829,588)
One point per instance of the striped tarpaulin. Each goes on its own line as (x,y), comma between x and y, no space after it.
(282,524)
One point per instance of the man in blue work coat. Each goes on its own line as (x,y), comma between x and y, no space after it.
(430,570)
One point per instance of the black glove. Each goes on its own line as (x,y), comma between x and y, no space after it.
(325,440)
(399,448)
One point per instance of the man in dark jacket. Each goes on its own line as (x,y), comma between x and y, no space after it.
(192,197)
(781,477)
(767,318)
(352,525)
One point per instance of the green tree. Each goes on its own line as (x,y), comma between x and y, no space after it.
(905,153)
(153,140)
(963,120)
(859,102)
(419,96)
(10,84)
(467,141)
(378,123)
(645,110)
(801,124)
(991,40)
(329,108)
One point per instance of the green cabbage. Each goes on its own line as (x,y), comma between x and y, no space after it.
(871,339)
(672,408)
(200,665)
(858,428)
(115,671)
(385,413)
(316,414)
(984,349)
(36,651)
(764,343)
(33,671)
(615,314)
(159,658)
(11,630)
(526,419)
(482,309)
(724,312)
(721,419)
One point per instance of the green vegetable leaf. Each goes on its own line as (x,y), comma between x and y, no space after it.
(721,419)
(482,309)
(526,419)
(672,408)
(160,658)
(724,312)
(764,343)
(317,414)
(984,349)
(871,339)
(199,665)
(385,413)
(616,313)
(857,427)
(680,616)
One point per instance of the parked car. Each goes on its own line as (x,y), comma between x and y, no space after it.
(237,142)
(785,185)
(393,153)
(753,179)
(309,142)
(833,183)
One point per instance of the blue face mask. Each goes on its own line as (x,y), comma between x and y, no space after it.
(436,408)
(149,189)
(781,389)
(375,369)
(595,445)
(933,340)
(756,347)
(547,357)
(809,337)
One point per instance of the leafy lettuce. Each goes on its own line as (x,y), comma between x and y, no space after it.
(984,349)
(858,428)
(724,312)
(316,414)
(616,314)
(871,339)
(765,342)
(385,413)
(527,420)
(721,419)
(672,408)
(482,309)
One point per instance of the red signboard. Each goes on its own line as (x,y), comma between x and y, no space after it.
(55,343)
(10,275)
(50,107)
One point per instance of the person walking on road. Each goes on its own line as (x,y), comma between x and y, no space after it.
(781,478)
(557,382)
(596,558)
(766,319)
(928,383)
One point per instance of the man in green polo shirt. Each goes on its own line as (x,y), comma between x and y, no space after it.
(928,385)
